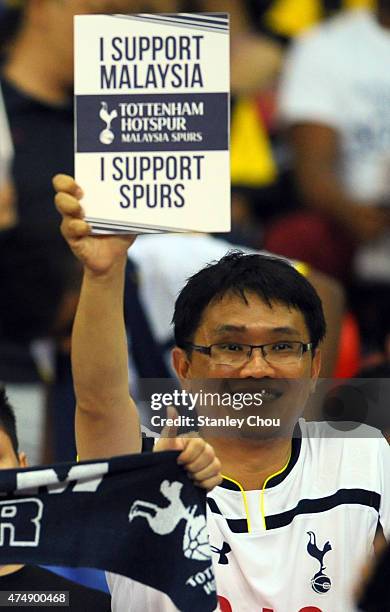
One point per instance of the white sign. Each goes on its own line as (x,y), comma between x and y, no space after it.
(152,122)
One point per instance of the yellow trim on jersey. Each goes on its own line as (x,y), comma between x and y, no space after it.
(248,520)
(262,510)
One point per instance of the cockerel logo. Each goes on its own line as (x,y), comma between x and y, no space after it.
(165,520)
(107,136)
(320,582)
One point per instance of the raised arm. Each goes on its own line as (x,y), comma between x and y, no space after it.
(317,159)
(107,421)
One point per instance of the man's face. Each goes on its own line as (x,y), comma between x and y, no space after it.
(231,320)
(8,459)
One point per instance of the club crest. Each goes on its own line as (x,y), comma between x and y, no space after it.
(320,582)
(107,136)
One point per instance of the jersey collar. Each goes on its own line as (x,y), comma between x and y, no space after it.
(296,444)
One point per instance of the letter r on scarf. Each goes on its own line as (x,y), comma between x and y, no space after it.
(21,521)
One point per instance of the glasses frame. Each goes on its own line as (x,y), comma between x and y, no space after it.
(206,350)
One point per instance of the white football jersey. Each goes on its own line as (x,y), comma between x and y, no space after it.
(298,544)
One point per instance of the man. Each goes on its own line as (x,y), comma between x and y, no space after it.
(296,513)
(18,578)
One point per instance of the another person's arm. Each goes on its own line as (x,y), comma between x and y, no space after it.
(316,162)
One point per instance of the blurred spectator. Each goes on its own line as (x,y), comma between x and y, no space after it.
(261,176)
(31,420)
(37,80)
(36,270)
(39,280)
(335,97)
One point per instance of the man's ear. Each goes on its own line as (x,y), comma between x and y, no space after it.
(23,463)
(180,362)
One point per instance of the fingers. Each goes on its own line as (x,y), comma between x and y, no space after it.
(197,454)
(197,457)
(73,229)
(170,431)
(168,437)
(212,470)
(67,184)
(193,448)
(200,461)
(68,205)
(210,483)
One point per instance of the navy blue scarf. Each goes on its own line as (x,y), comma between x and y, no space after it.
(126,515)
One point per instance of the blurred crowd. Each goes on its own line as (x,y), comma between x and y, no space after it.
(310,163)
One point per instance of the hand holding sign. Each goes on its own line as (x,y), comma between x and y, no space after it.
(97,253)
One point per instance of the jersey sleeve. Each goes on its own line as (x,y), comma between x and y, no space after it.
(309,85)
(384,471)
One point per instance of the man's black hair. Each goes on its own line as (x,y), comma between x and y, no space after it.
(271,278)
(8,421)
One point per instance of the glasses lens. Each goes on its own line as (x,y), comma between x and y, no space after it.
(283,352)
(230,353)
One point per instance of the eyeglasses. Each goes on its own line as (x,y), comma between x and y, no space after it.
(237,354)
